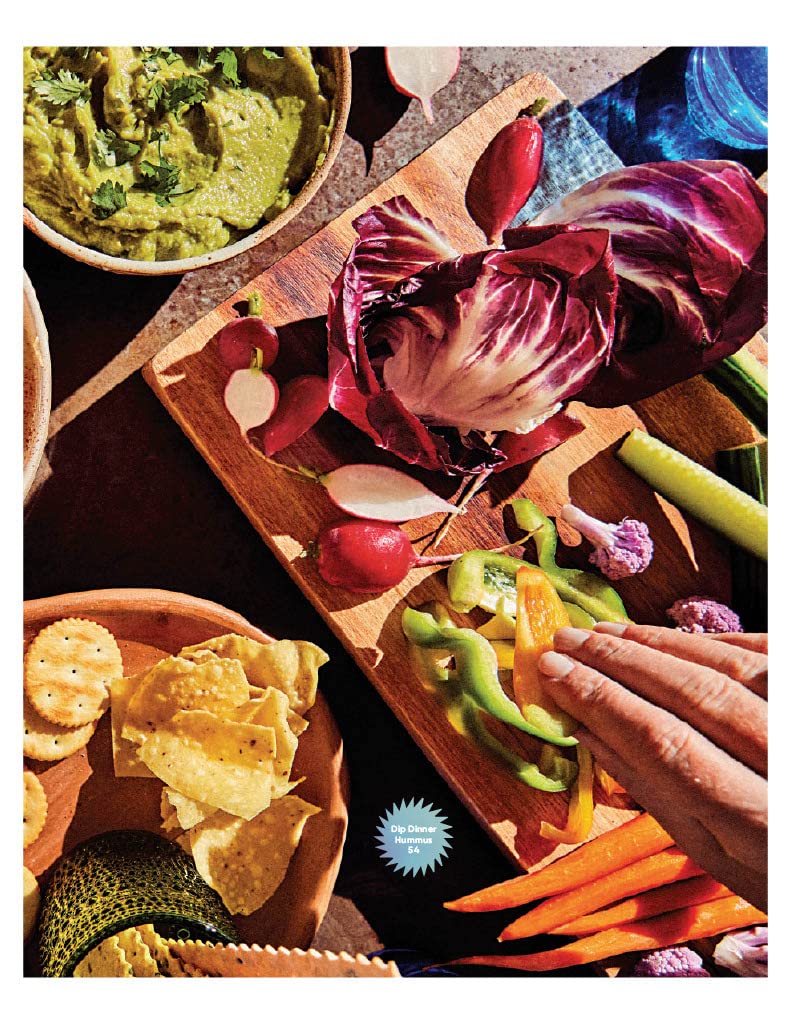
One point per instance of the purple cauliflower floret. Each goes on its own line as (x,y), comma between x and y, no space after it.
(745,953)
(678,962)
(703,615)
(620,549)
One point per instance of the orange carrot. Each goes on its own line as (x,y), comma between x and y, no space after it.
(699,889)
(655,933)
(637,838)
(667,866)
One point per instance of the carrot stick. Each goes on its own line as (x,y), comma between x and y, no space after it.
(667,866)
(700,889)
(635,839)
(655,933)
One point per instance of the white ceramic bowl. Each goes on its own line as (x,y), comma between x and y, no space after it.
(337,58)
(37,384)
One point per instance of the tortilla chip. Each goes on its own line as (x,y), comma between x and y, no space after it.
(245,861)
(214,760)
(68,670)
(271,710)
(289,665)
(188,812)
(175,684)
(126,759)
(107,960)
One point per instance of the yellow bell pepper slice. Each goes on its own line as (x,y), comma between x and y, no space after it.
(580,817)
(539,615)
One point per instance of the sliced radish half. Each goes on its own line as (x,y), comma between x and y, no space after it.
(421,71)
(250,397)
(382,493)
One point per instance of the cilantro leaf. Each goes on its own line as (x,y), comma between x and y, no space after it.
(109,198)
(270,54)
(152,55)
(204,58)
(110,150)
(178,94)
(67,87)
(161,180)
(226,59)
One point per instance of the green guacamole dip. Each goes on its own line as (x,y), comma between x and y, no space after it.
(192,161)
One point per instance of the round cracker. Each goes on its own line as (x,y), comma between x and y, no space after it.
(31,897)
(34,807)
(68,670)
(45,741)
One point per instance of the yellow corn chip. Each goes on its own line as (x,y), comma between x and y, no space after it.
(34,808)
(68,670)
(107,960)
(126,760)
(45,741)
(31,897)
(289,665)
(215,761)
(137,954)
(245,861)
(188,812)
(297,723)
(175,684)
(271,710)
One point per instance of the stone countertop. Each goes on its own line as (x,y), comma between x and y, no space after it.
(123,499)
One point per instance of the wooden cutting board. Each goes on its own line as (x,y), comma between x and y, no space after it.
(189,378)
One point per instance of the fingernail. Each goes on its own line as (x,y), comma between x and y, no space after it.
(613,628)
(555,665)
(569,638)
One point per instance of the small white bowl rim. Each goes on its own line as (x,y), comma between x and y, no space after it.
(43,400)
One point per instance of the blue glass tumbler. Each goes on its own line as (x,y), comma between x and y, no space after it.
(727,91)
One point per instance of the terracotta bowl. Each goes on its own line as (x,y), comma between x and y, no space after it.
(337,58)
(37,384)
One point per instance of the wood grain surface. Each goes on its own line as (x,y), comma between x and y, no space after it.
(189,378)
(86,797)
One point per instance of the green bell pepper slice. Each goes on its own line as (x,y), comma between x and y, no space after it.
(464,714)
(476,670)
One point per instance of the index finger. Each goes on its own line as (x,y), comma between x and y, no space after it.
(743,662)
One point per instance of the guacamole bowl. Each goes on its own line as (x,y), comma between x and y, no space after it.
(160,160)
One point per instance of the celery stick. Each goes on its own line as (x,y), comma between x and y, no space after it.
(700,492)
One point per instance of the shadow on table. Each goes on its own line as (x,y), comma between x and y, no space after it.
(643,117)
(376,105)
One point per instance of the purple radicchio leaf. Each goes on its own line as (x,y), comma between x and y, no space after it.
(463,351)
(690,250)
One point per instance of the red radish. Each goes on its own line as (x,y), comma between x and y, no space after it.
(239,339)
(421,71)
(250,397)
(382,493)
(368,557)
(303,400)
(506,173)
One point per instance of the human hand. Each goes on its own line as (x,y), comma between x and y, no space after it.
(679,720)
